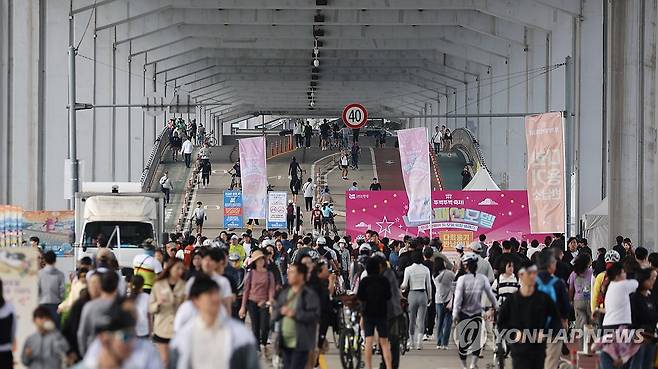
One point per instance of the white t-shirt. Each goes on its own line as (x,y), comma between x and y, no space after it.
(141,308)
(199,214)
(343,160)
(187,147)
(224,285)
(617,303)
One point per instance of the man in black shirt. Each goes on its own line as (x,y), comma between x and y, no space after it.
(619,247)
(375,186)
(374,292)
(527,309)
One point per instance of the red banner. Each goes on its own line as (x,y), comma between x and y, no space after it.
(546,172)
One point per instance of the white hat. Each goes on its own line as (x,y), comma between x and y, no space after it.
(475,246)
(321,241)
(468,256)
(459,246)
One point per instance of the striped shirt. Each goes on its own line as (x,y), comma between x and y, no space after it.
(504,286)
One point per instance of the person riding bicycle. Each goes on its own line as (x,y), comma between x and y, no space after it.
(201,134)
(328,218)
(236,175)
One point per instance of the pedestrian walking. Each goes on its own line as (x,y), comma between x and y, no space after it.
(176,143)
(206,170)
(166,186)
(257,297)
(436,140)
(187,149)
(468,301)
(580,282)
(308,132)
(374,292)
(356,152)
(45,348)
(375,185)
(167,294)
(527,309)
(417,282)
(199,216)
(52,286)
(443,279)
(344,164)
(297,310)
(146,265)
(308,190)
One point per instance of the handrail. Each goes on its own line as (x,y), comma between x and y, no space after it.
(463,138)
(148,173)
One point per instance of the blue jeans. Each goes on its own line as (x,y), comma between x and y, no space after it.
(605,361)
(443,324)
(644,358)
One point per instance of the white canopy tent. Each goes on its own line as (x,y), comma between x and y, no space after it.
(482,182)
(595,225)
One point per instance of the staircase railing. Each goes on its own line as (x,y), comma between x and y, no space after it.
(464,140)
(155,158)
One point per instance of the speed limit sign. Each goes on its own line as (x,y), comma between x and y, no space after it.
(355,116)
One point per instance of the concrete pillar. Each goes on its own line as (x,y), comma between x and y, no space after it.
(631,121)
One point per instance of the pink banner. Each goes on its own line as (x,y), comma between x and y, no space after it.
(457,216)
(254,177)
(546,172)
(415,163)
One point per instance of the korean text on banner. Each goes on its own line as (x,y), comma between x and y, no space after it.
(546,177)
(254,177)
(415,163)
(233,209)
(277,209)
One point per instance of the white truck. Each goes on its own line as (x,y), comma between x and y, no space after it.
(125,219)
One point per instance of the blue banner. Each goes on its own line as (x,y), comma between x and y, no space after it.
(233,209)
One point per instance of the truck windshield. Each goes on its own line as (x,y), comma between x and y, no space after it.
(133,234)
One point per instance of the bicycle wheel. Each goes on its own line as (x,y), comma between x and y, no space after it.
(212,141)
(345,343)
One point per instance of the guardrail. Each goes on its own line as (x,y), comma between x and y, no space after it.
(464,140)
(159,147)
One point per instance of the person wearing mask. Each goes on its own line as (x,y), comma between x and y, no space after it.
(209,340)
(374,292)
(297,310)
(375,185)
(52,286)
(556,289)
(167,294)
(236,248)
(468,300)
(187,149)
(94,310)
(259,287)
(580,283)
(166,186)
(617,313)
(417,282)
(527,308)
(443,279)
(146,265)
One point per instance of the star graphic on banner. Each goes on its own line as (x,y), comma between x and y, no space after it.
(384,227)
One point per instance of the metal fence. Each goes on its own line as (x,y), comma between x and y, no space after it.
(464,139)
(155,158)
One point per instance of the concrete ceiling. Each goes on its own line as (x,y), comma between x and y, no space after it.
(393,55)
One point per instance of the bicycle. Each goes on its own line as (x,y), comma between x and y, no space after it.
(404,327)
(350,339)
(235,181)
(210,139)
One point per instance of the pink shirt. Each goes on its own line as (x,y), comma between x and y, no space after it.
(258,287)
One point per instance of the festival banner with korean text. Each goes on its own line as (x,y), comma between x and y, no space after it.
(458,217)
(233,209)
(546,172)
(277,204)
(19,268)
(415,163)
(11,226)
(254,177)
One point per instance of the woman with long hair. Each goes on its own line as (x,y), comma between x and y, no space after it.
(580,282)
(644,316)
(417,281)
(259,287)
(468,300)
(7,332)
(443,280)
(167,294)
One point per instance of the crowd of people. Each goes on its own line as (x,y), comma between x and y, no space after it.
(183,305)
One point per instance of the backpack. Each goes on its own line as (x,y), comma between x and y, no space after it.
(548,288)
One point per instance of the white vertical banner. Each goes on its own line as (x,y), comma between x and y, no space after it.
(277,209)
(254,177)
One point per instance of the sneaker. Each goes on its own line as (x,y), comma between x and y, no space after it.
(426,337)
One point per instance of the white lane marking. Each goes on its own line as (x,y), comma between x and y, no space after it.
(216,207)
(277,177)
(389,162)
(374,163)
